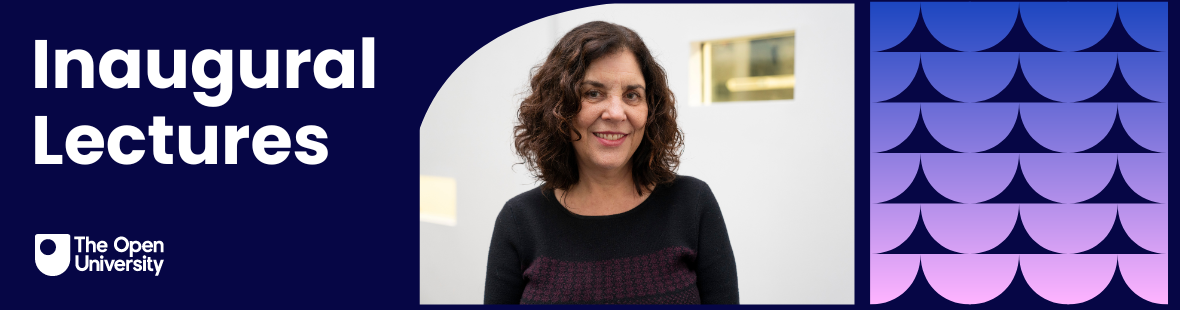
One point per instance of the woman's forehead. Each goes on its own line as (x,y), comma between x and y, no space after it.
(620,60)
(617,69)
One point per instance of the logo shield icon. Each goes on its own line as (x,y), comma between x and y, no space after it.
(57,261)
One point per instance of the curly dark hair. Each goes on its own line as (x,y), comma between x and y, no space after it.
(545,132)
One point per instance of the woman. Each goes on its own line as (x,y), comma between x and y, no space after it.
(612,222)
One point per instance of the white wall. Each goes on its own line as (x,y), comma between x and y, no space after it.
(782,171)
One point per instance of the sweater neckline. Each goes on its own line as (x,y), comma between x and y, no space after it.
(634,210)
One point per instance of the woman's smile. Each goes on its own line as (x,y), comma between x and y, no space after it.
(610,138)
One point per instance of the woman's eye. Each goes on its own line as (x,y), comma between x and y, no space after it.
(593,94)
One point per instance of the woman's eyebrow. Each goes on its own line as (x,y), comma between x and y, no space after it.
(601,85)
(594,83)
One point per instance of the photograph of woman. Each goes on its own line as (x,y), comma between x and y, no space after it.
(613,223)
(645,154)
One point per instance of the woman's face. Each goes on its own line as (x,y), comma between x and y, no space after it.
(613,112)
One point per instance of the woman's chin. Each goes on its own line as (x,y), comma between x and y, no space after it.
(609,164)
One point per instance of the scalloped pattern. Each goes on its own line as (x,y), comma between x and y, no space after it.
(1057,192)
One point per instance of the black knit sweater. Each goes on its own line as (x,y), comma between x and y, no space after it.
(671,249)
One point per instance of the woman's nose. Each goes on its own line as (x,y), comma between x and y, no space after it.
(614,109)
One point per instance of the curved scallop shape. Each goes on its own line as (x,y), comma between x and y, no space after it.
(890,124)
(1147,124)
(989,73)
(920,89)
(969,127)
(1117,90)
(1068,278)
(1070,177)
(969,178)
(1067,127)
(1067,77)
(969,26)
(1147,225)
(890,174)
(890,275)
(920,141)
(1067,26)
(1147,23)
(892,22)
(1068,228)
(1117,140)
(1147,73)
(890,225)
(1019,140)
(969,228)
(969,278)
(1145,274)
(890,74)
(1018,89)
(1146,174)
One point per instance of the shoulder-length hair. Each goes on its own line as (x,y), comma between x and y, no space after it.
(545,132)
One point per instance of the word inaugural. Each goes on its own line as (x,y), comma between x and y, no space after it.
(144,263)
(224,81)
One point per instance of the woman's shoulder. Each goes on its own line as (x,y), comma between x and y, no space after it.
(690,191)
(528,200)
(687,185)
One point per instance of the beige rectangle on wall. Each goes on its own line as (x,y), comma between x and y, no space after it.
(759,67)
(438,200)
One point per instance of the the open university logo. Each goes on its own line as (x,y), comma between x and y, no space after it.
(53,253)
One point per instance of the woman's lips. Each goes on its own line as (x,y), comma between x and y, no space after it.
(610,138)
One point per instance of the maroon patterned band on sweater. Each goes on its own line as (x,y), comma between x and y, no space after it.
(672,248)
(662,277)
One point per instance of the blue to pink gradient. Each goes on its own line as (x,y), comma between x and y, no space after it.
(890,225)
(1147,73)
(1068,127)
(969,278)
(1069,178)
(975,26)
(1146,275)
(969,228)
(890,174)
(1147,123)
(1068,228)
(1077,25)
(891,23)
(1062,127)
(1147,225)
(1068,278)
(972,178)
(971,77)
(1068,26)
(1068,77)
(1147,174)
(890,275)
(970,127)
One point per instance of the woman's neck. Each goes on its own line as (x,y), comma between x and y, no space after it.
(600,193)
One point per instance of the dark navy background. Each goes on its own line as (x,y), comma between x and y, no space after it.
(339,234)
